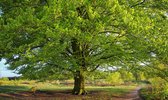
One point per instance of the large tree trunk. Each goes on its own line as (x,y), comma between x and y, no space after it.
(79,83)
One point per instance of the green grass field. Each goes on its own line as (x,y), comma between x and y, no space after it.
(26,85)
(22,89)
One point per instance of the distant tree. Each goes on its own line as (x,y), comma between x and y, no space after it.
(126,75)
(114,78)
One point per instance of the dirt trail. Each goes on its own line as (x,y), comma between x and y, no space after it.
(133,95)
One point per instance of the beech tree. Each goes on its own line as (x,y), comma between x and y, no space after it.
(44,38)
(158,38)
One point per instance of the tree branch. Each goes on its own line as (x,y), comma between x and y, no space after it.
(95,68)
(107,57)
(23,5)
(62,68)
(163,72)
(138,3)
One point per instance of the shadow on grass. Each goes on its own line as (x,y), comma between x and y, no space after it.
(13,89)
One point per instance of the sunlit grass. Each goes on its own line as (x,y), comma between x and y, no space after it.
(21,87)
(26,85)
(112,90)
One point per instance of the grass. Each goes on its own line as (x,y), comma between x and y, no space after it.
(113,90)
(49,87)
(13,89)
(118,90)
(60,91)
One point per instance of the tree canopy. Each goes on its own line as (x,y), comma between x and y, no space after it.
(44,38)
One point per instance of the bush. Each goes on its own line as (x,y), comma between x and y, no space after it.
(114,78)
(4,79)
(157,84)
(15,82)
(126,76)
(164,92)
(159,89)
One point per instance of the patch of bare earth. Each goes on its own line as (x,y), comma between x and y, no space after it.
(66,95)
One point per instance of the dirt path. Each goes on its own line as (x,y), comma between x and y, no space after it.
(133,95)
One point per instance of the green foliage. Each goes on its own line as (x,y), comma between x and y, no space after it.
(158,90)
(49,39)
(15,82)
(157,69)
(97,75)
(142,76)
(4,79)
(126,75)
(114,78)
(58,36)
(157,84)
(164,92)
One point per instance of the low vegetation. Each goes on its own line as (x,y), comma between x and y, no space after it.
(157,90)
(31,89)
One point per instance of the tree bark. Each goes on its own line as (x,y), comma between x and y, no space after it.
(79,83)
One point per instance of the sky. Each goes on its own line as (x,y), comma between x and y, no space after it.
(4,72)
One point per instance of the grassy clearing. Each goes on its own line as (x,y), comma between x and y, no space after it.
(26,85)
(19,89)
(13,89)
(112,90)
(49,87)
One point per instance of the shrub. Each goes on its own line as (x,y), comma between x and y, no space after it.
(15,82)
(114,78)
(159,88)
(157,84)
(4,79)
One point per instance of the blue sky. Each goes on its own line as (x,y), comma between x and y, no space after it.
(4,72)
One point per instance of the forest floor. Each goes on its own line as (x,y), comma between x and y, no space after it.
(100,93)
